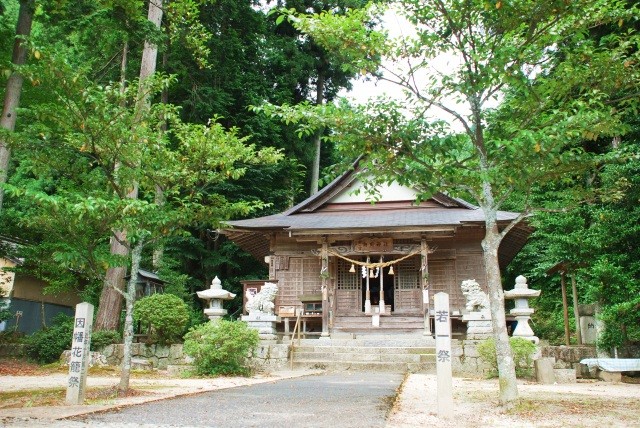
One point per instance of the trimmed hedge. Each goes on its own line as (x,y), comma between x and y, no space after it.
(166,314)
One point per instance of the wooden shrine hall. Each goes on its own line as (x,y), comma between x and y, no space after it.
(353,265)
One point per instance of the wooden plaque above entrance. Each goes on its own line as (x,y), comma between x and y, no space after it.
(373,245)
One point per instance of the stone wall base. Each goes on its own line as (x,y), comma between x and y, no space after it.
(270,356)
(568,357)
(148,356)
(267,356)
(466,361)
(96,359)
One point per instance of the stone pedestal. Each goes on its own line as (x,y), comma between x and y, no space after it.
(478,325)
(264,323)
(367,306)
(375,320)
(544,370)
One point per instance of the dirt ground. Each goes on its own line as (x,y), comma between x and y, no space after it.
(588,403)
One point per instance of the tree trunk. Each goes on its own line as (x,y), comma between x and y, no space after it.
(317,139)
(506,365)
(149,55)
(108,317)
(158,252)
(130,296)
(14,86)
(108,314)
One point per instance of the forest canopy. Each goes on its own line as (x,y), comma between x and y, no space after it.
(538,116)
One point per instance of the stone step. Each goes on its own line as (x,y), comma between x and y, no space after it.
(362,357)
(390,331)
(386,322)
(381,350)
(376,334)
(392,317)
(386,366)
(417,341)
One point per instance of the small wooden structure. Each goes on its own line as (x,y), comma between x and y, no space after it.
(368,260)
(148,283)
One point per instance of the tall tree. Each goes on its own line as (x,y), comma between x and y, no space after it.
(96,131)
(328,77)
(592,243)
(14,87)
(107,317)
(466,60)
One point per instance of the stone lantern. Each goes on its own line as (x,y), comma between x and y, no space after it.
(215,295)
(521,294)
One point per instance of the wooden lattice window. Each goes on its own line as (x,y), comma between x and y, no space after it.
(346,280)
(408,295)
(407,276)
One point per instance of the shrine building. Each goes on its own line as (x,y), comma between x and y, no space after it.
(347,264)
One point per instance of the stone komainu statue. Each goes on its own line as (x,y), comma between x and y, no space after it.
(477,300)
(262,302)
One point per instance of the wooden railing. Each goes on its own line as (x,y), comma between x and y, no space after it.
(296,328)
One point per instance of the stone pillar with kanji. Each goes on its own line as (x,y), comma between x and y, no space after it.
(442,318)
(80,354)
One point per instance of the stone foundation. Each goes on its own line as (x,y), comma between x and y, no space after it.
(270,356)
(156,356)
(478,325)
(565,375)
(466,361)
(568,357)
(96,359)
(267,356)
(264,324)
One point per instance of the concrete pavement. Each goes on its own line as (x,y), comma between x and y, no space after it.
(157,389)
(475,401)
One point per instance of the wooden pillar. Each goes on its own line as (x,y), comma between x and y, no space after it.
(565,310)
(576,315)
(381,300)
(325,292)
(367,296)
(424,284)
(286,327)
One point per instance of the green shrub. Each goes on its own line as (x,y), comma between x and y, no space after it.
(166,314)
(11,336)
(522,350)
(5,313)
(196,317)
(45,346)
(102,338)
(222,347)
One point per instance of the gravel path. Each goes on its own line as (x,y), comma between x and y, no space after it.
(313,401)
